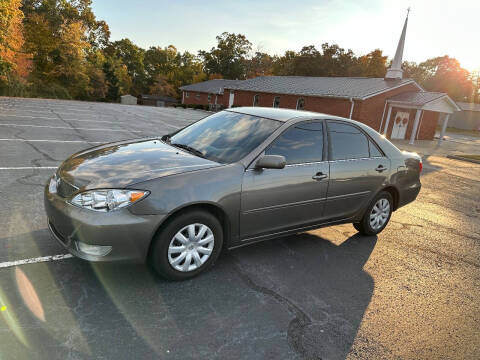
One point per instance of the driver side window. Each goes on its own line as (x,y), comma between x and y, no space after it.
(302,143)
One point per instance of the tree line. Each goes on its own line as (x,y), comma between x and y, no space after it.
(59,49)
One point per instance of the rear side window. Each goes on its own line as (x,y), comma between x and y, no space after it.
(374,152)
(347,142)
(299,144)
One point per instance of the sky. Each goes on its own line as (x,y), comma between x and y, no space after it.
(435,27)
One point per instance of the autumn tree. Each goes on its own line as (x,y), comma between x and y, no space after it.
(59,34)
(442,74)
(14,63)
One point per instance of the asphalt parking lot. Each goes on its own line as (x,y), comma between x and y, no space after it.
(413,292)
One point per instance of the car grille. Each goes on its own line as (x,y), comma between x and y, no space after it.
(65,189)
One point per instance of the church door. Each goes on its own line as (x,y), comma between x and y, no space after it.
(400,125)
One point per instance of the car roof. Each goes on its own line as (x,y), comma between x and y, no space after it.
(279,114)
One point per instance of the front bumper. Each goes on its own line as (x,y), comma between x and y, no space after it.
(129,235)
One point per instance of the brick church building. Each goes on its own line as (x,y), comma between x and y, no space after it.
(397,107)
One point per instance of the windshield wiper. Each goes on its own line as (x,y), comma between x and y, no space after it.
(189,149)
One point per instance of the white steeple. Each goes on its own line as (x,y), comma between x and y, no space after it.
(395,71)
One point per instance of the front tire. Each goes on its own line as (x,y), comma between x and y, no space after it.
(187,245)
(377,215)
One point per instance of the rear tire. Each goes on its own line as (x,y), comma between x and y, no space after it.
(377,215)
(187,245)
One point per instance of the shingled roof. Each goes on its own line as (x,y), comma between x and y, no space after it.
(422,98)
(340,87)
(417,97)
(468,106)
(215,86)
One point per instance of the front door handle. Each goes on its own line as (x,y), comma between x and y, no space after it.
(380,168)
(319,176)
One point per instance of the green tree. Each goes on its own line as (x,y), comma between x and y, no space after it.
(284,65)
(160,60)
(260,65)
(332,60)
(229,57)
(132,57)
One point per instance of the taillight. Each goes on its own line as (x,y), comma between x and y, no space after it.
(420,166)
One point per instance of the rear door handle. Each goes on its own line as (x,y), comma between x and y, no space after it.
(319,176)
(380,168)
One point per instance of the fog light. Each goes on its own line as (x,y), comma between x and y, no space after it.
(95,250)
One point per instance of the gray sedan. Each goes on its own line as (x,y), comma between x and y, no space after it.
(233,178)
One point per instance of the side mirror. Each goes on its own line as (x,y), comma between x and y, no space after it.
(270,162)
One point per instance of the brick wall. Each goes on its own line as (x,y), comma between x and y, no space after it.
(428,125)
(370,111)
(197,98)
(339,107)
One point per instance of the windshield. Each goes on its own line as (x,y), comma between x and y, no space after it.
(225,137)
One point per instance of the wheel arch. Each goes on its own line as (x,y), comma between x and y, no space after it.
(395,195)
(213,208)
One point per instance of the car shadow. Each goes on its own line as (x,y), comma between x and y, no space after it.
(322,285)
(299,296)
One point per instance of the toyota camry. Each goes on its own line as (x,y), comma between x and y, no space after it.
(234,178)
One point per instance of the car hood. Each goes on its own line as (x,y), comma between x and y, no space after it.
(126,163)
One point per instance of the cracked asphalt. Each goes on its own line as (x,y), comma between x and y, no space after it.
(413,292)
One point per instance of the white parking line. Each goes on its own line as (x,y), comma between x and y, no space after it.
(8,264)
(70,128)
(56,141)
(29,168)
(57,118)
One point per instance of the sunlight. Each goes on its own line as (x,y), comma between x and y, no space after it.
(29,295)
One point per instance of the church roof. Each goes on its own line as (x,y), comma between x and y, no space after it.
(417,97)
(358,88)
(468,106)
(215,86)
(427,100)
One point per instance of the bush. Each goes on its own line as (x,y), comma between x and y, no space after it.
(13,86)
(50,91)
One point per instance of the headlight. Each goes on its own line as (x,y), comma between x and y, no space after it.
(108,199)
